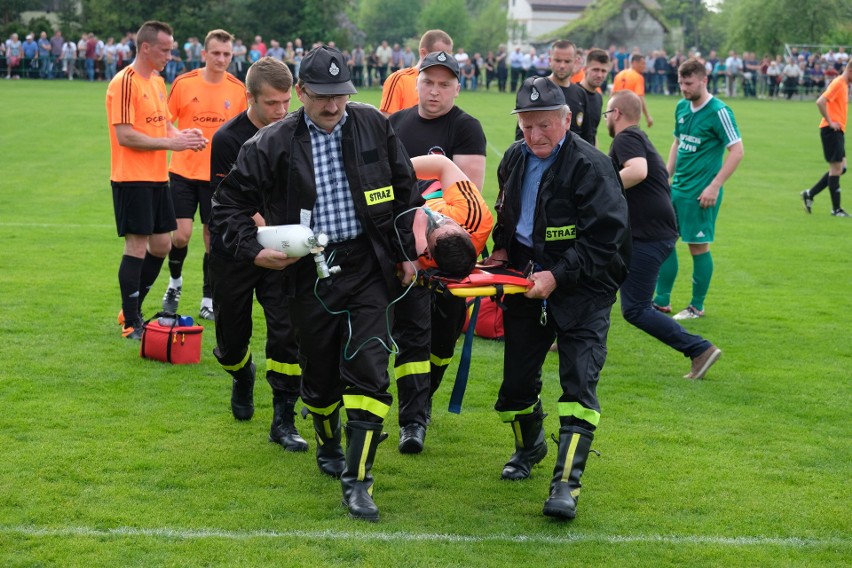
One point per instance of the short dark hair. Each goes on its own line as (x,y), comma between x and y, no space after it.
(454,254)
(268,71)
(150,30)
(597,54)
(636,57)
(692,67)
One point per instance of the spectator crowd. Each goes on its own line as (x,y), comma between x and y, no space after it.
(800,72)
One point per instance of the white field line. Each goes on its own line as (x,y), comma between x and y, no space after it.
(199,534)
(493,149)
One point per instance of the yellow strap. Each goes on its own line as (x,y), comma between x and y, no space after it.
(576,410)
(239,365)
(569,457)
(361,402)
(413,368)
(509,415)
(327,411)
(438,362)
(486,290)
(289,369)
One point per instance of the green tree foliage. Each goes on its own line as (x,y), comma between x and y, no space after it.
(10,11)
(40,24)
(449,15)
(766,25)
(391,20)
(489,28)
(692,16)
(10,18)
(312,20)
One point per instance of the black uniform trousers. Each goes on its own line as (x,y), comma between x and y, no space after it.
(340,354)
(448,315)
(581,334)
(412,325)
(234,285)
(427,325)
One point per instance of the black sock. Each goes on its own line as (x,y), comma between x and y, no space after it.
(150,270)
(834,189)
(820,185)
(176,258)
(206,291)
(129,273)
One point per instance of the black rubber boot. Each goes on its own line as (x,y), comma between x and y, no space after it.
(283,430)
(362,439)
(242,392)
(330,459)
(574,446)
(530,445)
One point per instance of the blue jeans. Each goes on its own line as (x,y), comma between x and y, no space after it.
(90,69)
(638,291)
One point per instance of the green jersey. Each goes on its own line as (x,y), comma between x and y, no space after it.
(704,134)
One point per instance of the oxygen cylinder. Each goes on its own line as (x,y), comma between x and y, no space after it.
(294,240)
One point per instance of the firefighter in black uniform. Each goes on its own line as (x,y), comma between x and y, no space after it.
(268,85)
(561,217)
(338,168)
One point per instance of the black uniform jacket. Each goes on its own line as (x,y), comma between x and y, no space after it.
(581,229)
(274,173)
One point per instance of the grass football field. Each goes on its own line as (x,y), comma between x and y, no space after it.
(107,459)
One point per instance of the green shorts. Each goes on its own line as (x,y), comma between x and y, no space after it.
(695,224)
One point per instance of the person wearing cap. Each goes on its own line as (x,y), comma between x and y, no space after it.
(435,126)
(562,219)
(338,168)
(563,58)
(400,88)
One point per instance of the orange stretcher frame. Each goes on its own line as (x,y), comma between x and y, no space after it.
(485,281)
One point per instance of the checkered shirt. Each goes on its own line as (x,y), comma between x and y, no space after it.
(334,211)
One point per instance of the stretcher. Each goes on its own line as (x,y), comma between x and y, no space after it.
(484,281)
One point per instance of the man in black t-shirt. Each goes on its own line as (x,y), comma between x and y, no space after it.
(436,125)
(597,69)
(234,283)
(426,337)
(652,221)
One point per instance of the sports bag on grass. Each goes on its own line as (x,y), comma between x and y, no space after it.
(164,339)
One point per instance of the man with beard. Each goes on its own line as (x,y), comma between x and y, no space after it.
(704,129)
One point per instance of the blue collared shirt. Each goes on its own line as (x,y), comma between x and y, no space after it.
(334,211)
(534,169)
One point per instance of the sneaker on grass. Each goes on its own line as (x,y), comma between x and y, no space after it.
(807,200)
(689,313)
(171,299)
(206,313)
(663,309)
(702,363)
(134,330)
(840,213)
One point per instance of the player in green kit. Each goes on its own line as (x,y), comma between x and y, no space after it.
(704,128)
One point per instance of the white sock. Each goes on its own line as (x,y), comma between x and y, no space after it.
(176,282)
(207,303)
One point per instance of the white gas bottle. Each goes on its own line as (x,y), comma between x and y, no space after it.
(294,240)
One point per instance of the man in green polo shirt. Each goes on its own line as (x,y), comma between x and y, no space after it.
(704,128)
